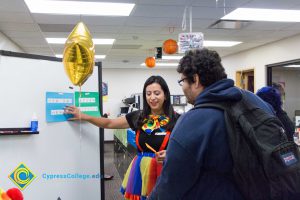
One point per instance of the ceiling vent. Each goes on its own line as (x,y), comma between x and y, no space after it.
(229,24)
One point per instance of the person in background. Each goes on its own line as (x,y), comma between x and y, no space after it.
(199,163)
(280,88)
(153,126)
(272,96)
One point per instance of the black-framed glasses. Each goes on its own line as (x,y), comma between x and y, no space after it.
(181,80)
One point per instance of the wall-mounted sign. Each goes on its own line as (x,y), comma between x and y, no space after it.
(188,41)
(88,102)
(55,105)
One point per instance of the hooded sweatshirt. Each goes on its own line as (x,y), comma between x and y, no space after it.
(198,164)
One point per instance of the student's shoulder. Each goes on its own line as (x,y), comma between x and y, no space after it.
(202,113)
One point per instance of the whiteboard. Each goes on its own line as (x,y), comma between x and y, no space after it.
(62,148)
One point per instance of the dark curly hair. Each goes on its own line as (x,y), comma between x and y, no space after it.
(203,62)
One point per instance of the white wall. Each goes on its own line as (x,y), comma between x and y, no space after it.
(124,82)
(8,45)
(60,147)
(257,58)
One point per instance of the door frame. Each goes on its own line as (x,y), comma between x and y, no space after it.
(241,77)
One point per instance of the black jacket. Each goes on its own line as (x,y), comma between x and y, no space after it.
(287,123)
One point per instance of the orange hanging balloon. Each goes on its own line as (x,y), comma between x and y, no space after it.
(170,46)
(150,62)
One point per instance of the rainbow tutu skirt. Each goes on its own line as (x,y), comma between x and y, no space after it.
(141,176)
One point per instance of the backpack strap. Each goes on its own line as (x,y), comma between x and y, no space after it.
(241,106)
(218,105)
(224,106)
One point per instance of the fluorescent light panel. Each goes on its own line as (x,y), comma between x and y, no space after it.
(273,15)
(171,57)
(79,8)
(63,40)
(208,43)
(100,56)
(103,41)
(96,56)
(163,64)
(292,66)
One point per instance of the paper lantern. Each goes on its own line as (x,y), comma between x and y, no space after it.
(150,62)
(170,46)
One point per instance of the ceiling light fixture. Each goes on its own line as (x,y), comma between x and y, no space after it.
(171,57)
(100,56)
(63,40)
(96,56)
(163,64)
(292,66)
(79,8)
(208,43)
(103,41)
(253,14)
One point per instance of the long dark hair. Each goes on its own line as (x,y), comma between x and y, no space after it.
(167,107)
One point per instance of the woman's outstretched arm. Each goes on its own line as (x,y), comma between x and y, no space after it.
(117,123)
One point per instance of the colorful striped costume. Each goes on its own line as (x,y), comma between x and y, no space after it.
(141,176)
(144,170)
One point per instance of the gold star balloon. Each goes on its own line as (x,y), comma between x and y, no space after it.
(79,53)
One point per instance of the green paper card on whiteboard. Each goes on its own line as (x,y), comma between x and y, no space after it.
(88,102)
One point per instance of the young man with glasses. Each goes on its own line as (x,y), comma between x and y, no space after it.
(199,163)
(180,82)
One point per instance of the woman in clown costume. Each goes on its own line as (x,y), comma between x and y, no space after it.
(153,126)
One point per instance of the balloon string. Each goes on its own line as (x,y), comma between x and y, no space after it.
(191,20)
(183,24)
(80,128)
(224,5)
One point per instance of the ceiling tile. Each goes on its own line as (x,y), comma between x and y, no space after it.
(147,21)
(16,26)
(6,16)
(157,11)
(149,25)
(13,6)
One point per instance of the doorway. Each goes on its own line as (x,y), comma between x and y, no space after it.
(245,79)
